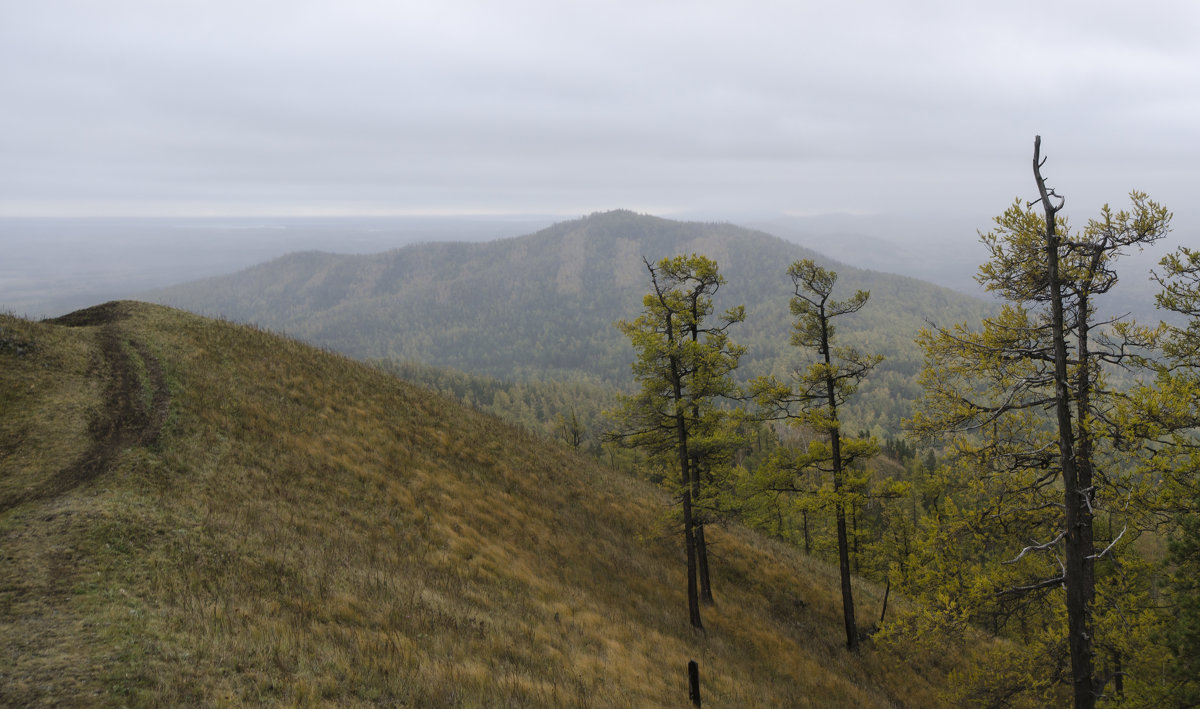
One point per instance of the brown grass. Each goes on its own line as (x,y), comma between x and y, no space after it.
(307,531)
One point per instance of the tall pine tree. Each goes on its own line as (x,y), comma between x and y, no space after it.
(1039,460)
(812,400)
(683,369)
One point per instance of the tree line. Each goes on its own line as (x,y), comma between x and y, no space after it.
(1046,493)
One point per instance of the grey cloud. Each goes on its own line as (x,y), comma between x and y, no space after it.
(542,107)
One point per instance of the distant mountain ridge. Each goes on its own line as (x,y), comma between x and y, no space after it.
(543,305)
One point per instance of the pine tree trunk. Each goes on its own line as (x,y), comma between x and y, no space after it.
(706,594)
(847,591)
(690,543)
(1076,494)
(1082,593)
(835,448)
(685,475)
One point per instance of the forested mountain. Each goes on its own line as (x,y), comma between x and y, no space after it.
(196,513)
(542,306)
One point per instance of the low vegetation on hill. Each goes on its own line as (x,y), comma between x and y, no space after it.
(196,512)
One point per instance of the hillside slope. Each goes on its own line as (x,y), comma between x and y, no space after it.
(543,305)
(194,512)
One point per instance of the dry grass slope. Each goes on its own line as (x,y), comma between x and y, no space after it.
(300,529)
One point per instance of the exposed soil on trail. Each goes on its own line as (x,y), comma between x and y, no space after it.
(125,419)
(45,618)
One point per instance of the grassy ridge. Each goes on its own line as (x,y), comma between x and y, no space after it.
(303,529)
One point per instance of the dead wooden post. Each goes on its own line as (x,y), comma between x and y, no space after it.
(886,590)
(694,682)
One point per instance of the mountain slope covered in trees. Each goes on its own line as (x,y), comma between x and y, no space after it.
(194,512)
(542,306)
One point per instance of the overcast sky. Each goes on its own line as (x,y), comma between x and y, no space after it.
(287,107)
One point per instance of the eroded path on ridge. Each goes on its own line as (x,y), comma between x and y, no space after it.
(125,419)
(57,594)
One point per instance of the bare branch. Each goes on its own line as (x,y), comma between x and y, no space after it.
(1038,547)
(1110,546)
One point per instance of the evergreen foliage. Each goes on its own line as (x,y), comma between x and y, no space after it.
(812,401)
(1038,462)
(1183,635)
(1169,410)
(683,369)
(571,411)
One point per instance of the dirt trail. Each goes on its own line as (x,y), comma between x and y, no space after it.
(45,624)
(124,420)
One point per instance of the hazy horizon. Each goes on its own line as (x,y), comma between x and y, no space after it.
(56,265)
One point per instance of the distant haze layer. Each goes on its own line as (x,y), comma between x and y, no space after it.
(54,266)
